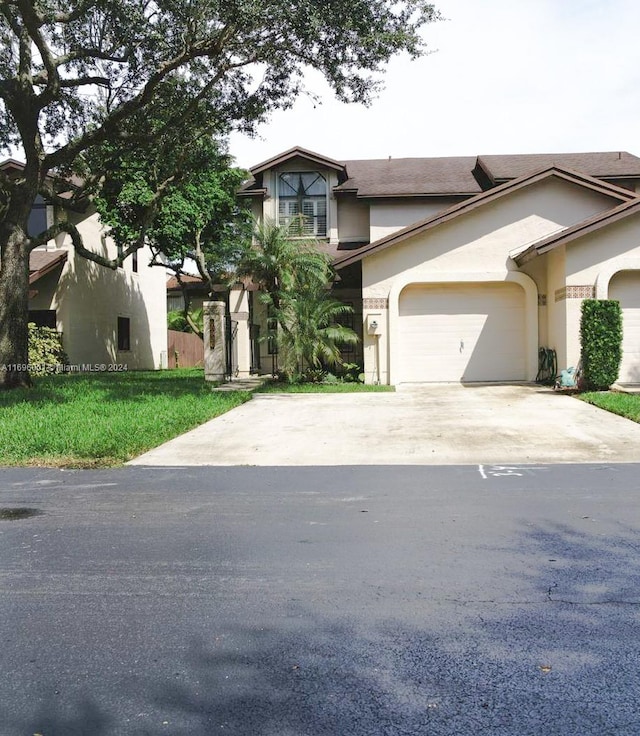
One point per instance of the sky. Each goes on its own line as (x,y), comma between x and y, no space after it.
(505,76)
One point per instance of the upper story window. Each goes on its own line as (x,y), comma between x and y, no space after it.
(37,217)
(302,203)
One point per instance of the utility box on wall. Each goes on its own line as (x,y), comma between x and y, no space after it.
(374,324)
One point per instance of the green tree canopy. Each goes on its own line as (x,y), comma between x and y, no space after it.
(79,75)
(182,202)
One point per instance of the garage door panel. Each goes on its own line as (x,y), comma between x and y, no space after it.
(461,332)
(625,287)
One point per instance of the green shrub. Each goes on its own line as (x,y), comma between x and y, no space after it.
(601,342)
(351,372)
(46,353)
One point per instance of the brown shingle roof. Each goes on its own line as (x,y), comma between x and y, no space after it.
(468,205)
(607,165)
(41,262)
(449,175)
(394,177)
(172,282)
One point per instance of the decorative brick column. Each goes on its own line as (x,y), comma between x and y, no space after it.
(215,339)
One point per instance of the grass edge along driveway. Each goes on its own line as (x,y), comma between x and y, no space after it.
(616,402)
(104,419)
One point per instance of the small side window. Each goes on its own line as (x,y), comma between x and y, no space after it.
(124,333)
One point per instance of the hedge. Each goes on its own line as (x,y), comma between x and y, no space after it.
(601,342)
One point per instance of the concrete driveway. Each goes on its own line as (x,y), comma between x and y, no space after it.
(443,424)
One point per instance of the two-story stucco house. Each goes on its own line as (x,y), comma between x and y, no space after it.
(105,317)
(460,269)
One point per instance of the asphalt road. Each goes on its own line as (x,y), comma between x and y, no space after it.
(355,601)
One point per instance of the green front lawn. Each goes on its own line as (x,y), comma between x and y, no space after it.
(626,405)
(104,419)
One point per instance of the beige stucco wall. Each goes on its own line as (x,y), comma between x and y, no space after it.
(475,247)
(353,219)
(537,272)
(600,252)
(389,216)
(555,262)
(89,298)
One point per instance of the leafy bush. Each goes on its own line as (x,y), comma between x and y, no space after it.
(601,342)
(351,373)
(177,320)
(46,353)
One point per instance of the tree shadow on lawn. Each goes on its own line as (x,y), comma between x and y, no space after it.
(131,386)
(562,661)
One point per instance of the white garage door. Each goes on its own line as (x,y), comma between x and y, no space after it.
(625,287)
(461,332)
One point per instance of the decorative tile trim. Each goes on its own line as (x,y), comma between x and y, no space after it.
(375,303)
(575,292)
(542,300)
(581,292)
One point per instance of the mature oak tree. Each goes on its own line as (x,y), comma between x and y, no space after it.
(76,75)
(181,200)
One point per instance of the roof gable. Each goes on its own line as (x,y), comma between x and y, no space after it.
(297,152)
(590,225)
(480,200)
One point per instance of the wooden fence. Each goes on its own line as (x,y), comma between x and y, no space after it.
(185,350)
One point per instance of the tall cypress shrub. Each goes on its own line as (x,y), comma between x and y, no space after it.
(601,342)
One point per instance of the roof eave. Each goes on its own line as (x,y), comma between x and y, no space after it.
(252,193)
(417,195)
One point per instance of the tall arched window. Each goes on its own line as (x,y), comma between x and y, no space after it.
(302,203)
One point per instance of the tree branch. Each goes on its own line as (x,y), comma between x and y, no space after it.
(73,15)
(210,49)
(42,78)
(33,23)
(78,245)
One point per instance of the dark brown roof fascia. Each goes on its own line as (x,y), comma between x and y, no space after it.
(316,158)
(251,192)
(480,199)
(418,195)
(597,222)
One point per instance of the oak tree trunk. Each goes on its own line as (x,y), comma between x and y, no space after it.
(14,309)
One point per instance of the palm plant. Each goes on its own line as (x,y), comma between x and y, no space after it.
(314,335)
(281,265)
(294,276)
